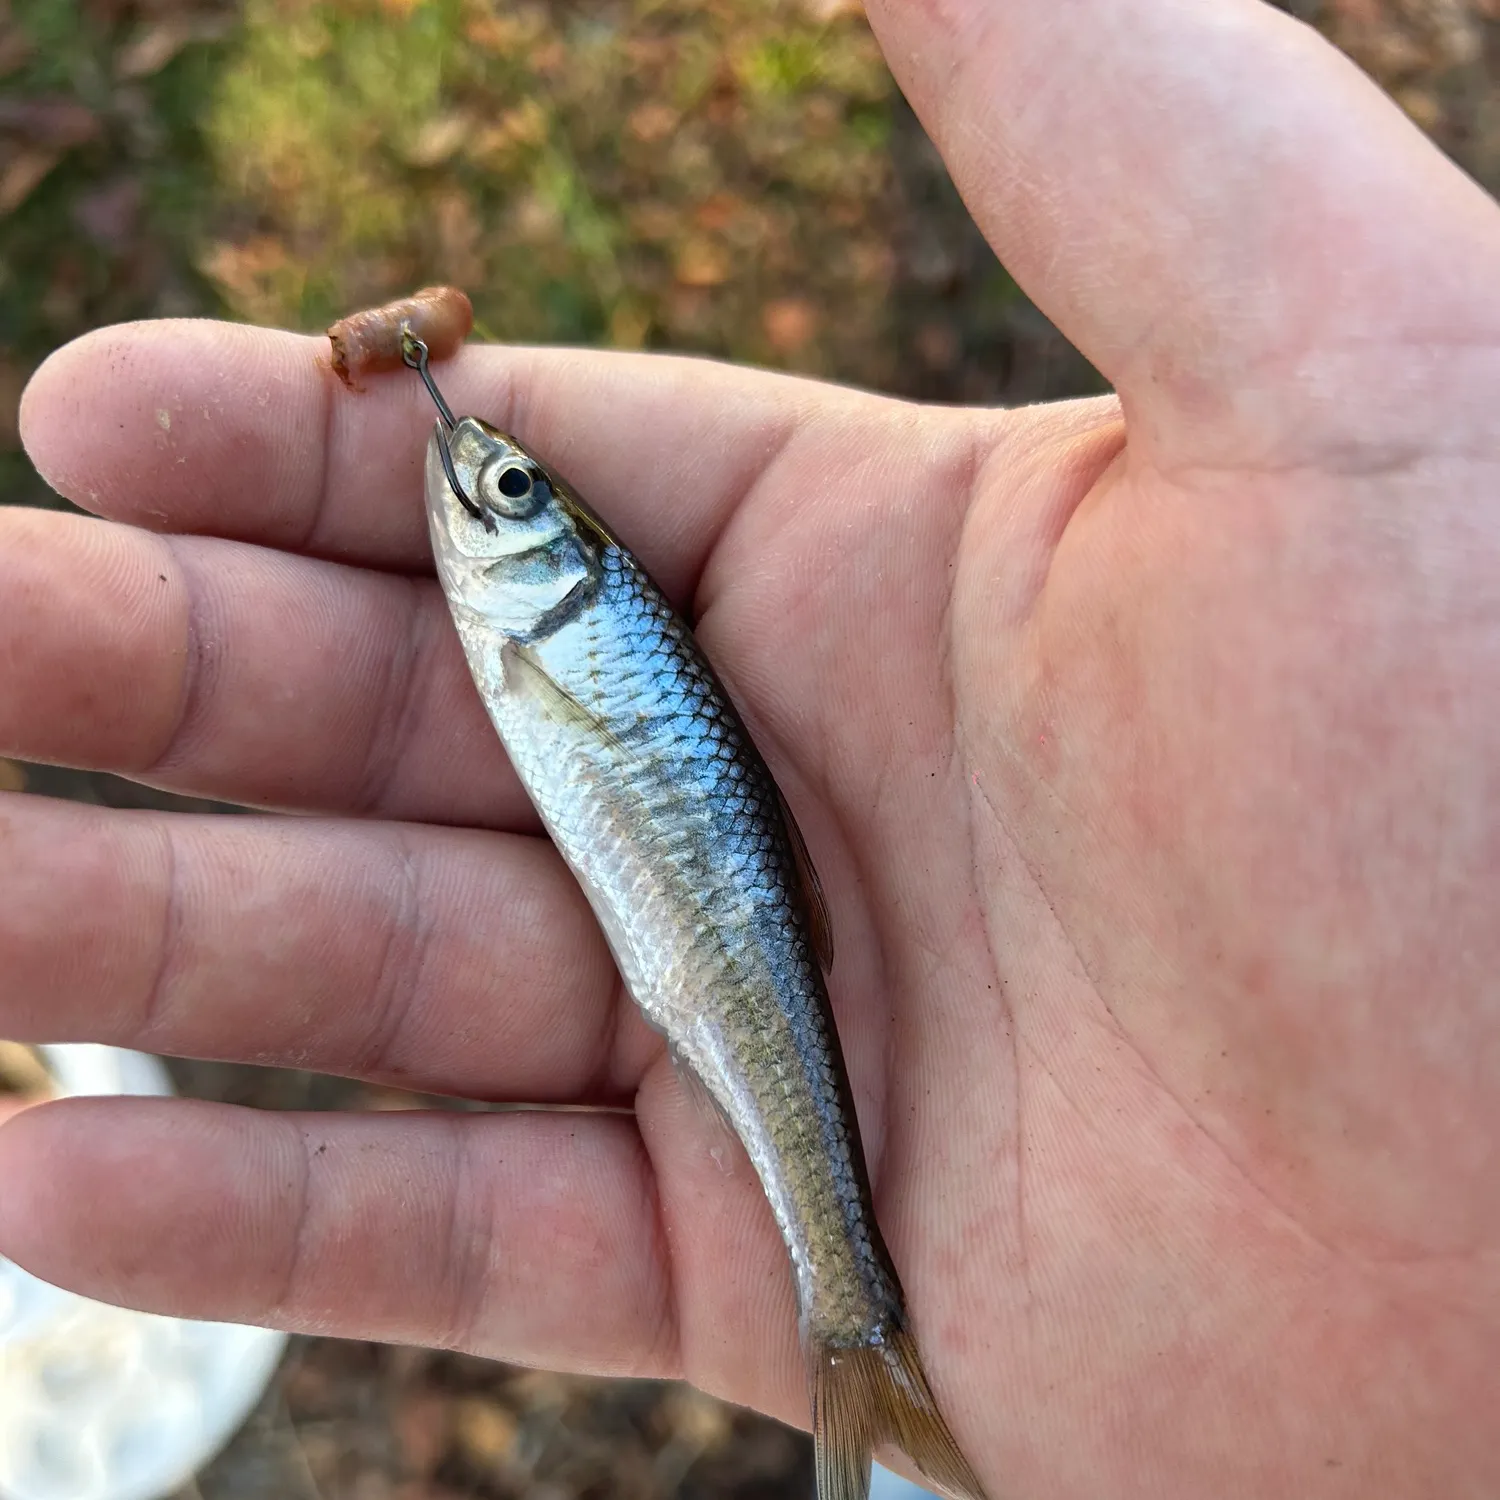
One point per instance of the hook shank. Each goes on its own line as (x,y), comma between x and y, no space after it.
(414,355)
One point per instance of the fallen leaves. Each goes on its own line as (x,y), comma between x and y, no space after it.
(790,324)
(653,121)
(702,262)
(635,176)
(439,139)
(259,276)
(15,49)
(35,135)
(487,1431)
(156,43)
(20,172)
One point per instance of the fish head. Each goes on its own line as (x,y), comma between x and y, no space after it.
(515,544)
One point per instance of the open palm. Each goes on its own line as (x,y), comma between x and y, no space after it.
(1149,750)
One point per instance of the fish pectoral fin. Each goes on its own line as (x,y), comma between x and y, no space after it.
(869,1394)
(527,677)
(812,889)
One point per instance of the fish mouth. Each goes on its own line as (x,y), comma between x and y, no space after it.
(444,439)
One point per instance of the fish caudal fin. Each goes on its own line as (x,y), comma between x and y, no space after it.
(865,1396)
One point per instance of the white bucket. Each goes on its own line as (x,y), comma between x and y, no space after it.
(99,1403)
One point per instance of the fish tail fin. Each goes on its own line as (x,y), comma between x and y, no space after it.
(879,1393)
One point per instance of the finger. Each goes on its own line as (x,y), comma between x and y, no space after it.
(527,1236)
(241,673)
(243,432)
(532,1237)
(435,959)
(1221,212)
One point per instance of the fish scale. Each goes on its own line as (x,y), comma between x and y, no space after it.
(658,800)
(691,809)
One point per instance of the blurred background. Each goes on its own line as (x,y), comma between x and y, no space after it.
(730,177)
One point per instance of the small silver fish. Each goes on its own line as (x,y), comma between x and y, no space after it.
(659,802)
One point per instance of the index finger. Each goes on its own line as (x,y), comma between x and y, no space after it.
(245,433)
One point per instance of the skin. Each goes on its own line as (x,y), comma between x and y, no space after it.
(1149,750)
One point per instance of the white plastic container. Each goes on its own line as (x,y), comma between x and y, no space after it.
(99,1403)
(884,1485)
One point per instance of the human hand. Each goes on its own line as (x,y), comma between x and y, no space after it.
(1150,761)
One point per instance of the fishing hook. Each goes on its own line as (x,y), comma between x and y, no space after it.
(414,356)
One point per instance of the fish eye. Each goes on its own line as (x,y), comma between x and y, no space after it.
(513,482)
(514,490)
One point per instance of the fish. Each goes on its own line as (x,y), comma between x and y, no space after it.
(645,777)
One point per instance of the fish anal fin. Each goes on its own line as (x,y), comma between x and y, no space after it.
(525,675)
(821,927)
(871,1394)
(724,1147)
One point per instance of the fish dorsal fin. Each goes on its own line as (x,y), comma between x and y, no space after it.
(524,674)
(821,928)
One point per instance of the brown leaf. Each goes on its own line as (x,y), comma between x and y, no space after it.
(51,120)
(937,345)
(487,1431)
(506,35)
(458,236)
(701,1421)
(260,279)
(421,1424)
(702,262)
(718,212)
(516,129)
(438,140)
(790,324)
(151,49)
(652,221)
(549,58)
(22,173)
(15,48)
(1422,107)
(653,122)
(156,44)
